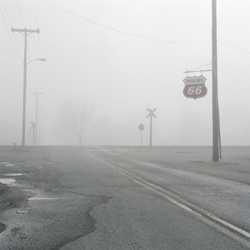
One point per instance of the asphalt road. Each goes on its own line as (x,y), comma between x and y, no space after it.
(124,198)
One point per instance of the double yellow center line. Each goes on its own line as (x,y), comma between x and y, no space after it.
(223,226)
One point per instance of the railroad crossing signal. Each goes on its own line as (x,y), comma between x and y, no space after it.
(151,114)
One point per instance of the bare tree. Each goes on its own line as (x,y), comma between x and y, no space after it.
(76,116)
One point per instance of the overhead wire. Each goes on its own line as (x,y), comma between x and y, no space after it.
(10,35)
(233,47)
(201,66)
(134,35)
(38,39)
(9,20)
(117,30)
(107,27)
(20,13)
(226,44)
(6,12)
(35,12)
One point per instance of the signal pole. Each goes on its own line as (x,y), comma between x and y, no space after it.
(151,114)
(215,103)
(25,32)
(37,95)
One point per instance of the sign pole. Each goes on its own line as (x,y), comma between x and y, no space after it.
(151,131)
(215,106)
(141,127)
(151,114)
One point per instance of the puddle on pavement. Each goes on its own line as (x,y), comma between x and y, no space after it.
(14,174)
(7,181)
(9,165)
(41,198)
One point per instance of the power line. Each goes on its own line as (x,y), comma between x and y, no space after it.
(10,35)
(134,35)
(35,12)
(38,37)
(233,47)
(6,12)
(202,66)
(117,30)
(8,17)
(20,12)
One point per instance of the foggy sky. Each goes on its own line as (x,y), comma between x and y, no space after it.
(110,63)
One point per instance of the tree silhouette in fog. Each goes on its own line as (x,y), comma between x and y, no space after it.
(76,116)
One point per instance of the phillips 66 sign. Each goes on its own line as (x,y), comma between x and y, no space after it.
(195,87)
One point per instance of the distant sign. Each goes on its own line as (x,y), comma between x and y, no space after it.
(195,87)
(141,127)
(151,113)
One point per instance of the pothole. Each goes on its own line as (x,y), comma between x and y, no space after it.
(9,165)
(41,198)
(2,227)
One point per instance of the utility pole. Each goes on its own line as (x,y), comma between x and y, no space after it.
(37,95)
(33,127)
(215,99)
(215,103)
(151,114)
(25,32)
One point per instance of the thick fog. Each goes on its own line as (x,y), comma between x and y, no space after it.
(120,58)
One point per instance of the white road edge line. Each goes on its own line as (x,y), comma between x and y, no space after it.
(156,189)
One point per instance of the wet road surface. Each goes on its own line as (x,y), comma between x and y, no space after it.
(124,198)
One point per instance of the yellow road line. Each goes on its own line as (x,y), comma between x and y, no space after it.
(184,204)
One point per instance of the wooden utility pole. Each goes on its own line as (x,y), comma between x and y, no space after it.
(215,103)
(25,32)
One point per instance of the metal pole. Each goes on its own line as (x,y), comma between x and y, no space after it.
(37,95)
(215,106)
(24,85)
(150,130)
(36,118)
(33,128)
(151,114)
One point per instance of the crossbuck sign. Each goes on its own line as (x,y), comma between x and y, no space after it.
(195,87)
(151,114)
